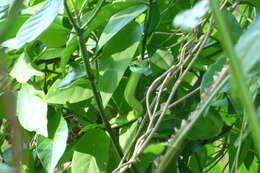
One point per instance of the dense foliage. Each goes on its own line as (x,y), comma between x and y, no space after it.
(89,86)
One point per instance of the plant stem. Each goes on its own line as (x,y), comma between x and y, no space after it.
(90,76)
(238,75)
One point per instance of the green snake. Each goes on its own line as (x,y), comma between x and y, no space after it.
(138,68)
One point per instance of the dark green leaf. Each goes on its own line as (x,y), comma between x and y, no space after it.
(75,72)
(91,153)
(207,127)
(127,134)
(162,58)
(247,47)
(118,21)
(76,92)
(102,17)
(50,53)
(51,149)
(208,77)
(115,59)
(38,23)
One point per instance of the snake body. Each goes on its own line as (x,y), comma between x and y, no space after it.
(130,91)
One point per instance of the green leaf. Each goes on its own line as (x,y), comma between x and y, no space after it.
(102,17)
(247,47)
(119,99)
(90,127)
(38,23)
(255,3)
(75,72)
(198,159)
(76,92)
(247,143)
(208,77)
(23,69)
(127,134)
(154,18)
(149,154)
(115,59)
(15,27)
(50,150)
(154,148)
(118,21)
(121,120)
(233,26)
(50,53)
(162,58)
(206,127)
(84,111)
(249,160)
(55,36)
(253,168)
(32,110)
(91,153)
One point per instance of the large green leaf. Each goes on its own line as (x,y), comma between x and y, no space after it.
(149,154)
(50,149)
(23,69)
(32,110)
(247,47)
(208,78)
(91,153)
(127,134)
(121,120)
(233,26)
(256,3)
(39,22)
(207,127)
(162,58)
(15,27)
(102,17)
(76,92)
(50,53)
(116,56)
(75,72)
(55,36)
(118,21)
